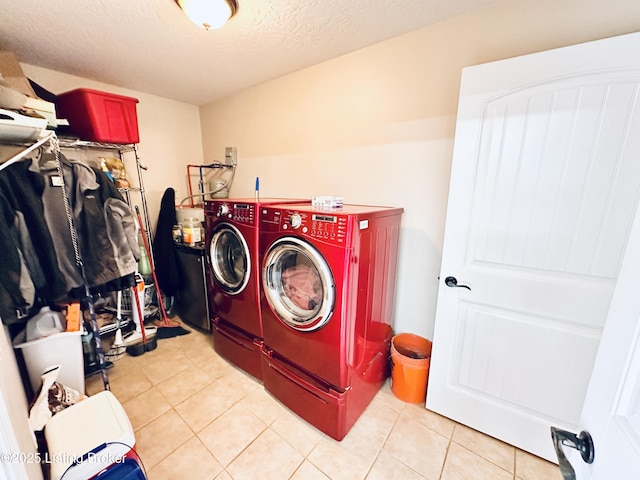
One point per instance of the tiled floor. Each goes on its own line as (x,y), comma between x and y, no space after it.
(196,416)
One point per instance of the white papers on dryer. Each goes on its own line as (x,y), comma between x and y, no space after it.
(326,201)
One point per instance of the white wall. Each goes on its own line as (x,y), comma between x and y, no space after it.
(169,134)
(15,432)
(376,126)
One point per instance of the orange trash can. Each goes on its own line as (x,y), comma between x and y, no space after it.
(410,359)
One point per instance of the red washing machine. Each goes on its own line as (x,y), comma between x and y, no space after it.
(233,279)
(328,287)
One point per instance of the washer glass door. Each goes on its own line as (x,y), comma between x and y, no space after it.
(298,284)
(230,258)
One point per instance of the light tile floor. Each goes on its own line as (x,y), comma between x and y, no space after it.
(196,416)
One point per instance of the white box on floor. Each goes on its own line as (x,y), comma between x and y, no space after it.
(96,430)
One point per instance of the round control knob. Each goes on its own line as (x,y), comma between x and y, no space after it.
(295,220)
(223,210)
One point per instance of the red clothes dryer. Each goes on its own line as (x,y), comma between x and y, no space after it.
(328,287)
(233,279)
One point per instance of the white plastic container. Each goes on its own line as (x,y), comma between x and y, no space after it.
(96,430)
(190,213)
(46,322)
(63,348)
(220,189)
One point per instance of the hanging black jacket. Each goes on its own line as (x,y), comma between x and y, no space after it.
(22,188)
(26,247)
(165,256)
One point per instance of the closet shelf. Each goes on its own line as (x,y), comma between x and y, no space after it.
(74,142)
(129,189)
(112,327)
(26,149)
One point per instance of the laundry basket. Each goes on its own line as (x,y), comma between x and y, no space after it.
(410,359)
(148,300)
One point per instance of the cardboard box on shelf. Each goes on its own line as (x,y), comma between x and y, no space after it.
(12,73)
(44,109)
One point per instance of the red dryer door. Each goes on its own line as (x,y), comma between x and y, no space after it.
(230,258)
(298,284)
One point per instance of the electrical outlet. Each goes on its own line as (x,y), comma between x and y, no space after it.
(231,156)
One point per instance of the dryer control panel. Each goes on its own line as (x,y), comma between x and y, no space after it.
(321,225)
(238,212)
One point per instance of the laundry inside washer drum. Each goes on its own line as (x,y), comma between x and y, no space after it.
(302,286)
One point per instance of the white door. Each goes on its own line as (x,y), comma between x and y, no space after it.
(611,411)
(545,183)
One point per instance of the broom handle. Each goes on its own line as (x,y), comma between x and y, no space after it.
(152,264)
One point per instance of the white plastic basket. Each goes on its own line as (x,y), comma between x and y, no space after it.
(63,348)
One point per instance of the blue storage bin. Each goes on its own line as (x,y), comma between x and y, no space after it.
(127,470)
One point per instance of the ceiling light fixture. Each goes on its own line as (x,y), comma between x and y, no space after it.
(208,14)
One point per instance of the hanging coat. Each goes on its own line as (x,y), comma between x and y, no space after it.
(26,246)
(22,186)
(165,255)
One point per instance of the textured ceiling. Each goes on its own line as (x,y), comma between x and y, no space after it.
(151,46)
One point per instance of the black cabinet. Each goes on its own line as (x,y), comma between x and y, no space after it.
(191,302)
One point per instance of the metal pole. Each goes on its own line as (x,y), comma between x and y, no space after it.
(145,210)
